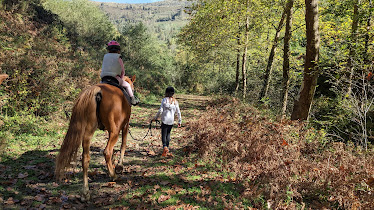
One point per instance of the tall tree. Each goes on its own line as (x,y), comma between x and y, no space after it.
(367,35)
(303,103)
(244,63)
(286,56)
(353,45)
(268,71)
(237,73)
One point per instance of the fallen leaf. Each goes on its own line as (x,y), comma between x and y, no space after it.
(22,176)
(55,200)
(163,198)
(284,143)
(93,173)
(177,188)
(109,184)
(42,206)
(10,201)
(151,153)
(29,167)
(287,162)
(39,198)
(370,182)
(164,183)
(26,202)
(67,206)
(9,182)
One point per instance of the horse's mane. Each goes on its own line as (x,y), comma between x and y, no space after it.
(128,80)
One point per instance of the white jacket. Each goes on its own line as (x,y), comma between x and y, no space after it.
(167,111)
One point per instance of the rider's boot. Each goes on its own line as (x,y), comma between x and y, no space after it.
(134,101)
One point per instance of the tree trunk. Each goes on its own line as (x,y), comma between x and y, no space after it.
(268,71)
(286,56)
(367,35)
(352,47)
(237,83)
(303,103)
(244,63)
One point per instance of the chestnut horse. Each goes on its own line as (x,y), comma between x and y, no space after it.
(3,77)
(113,113)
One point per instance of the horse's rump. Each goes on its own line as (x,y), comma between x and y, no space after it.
(112,107)
(114,82)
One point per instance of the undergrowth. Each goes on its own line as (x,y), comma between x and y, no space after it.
(283,164)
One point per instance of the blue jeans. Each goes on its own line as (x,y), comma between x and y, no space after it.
(165,134)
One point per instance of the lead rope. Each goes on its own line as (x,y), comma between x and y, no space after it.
(149,131)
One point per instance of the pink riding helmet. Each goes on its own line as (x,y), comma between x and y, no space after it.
(113,43)
(113,46)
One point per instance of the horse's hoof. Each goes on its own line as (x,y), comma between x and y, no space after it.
(118,169)
(85,196)
(114,178)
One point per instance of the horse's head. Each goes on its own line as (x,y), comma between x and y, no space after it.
(3,77)
(130,80)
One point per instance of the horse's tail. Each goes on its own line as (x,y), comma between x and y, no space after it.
(84,111)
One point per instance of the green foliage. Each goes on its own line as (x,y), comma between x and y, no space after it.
(23,124)
(27,131)
(163,19)
(147,59)
(216,33)
(87,25)
(4,136)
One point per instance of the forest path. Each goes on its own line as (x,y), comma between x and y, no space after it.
(148,180)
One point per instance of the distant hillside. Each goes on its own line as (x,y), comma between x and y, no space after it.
(163,18)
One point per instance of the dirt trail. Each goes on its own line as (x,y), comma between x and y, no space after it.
(144,168)
(148,181)
(144,144)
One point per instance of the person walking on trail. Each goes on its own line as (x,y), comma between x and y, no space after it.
(169,106)
(113,67)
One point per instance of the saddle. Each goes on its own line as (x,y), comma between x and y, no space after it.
(113,81)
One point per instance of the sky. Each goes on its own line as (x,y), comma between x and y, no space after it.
(128,1)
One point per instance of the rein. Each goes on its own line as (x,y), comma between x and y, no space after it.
(149,131)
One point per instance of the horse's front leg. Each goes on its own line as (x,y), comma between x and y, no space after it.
(108,153)
(119,167)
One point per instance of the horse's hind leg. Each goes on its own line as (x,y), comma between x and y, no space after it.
(108,152)
(119,167)
(86,159)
